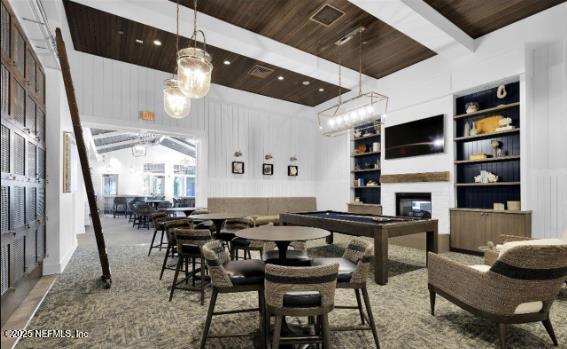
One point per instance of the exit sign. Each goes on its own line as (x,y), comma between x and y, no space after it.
(147,115)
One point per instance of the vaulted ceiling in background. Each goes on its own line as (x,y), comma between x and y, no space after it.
(385,51)
(480,17)
(107,141)
(106,35)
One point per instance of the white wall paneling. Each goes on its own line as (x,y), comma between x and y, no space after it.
(546,142)
(111,93)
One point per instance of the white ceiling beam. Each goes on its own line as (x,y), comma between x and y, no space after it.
(110,134)
(161,14)
(419,21)
(118,144)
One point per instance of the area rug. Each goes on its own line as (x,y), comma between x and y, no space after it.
(135,312)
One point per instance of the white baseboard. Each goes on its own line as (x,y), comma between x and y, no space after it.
(50,268)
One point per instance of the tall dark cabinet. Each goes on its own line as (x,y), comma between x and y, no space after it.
(476,219)
(23,164)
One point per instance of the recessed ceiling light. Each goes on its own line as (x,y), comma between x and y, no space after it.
(280,77)
(226,62)
(305,83)
(321,89)
(157,42)
(139,41)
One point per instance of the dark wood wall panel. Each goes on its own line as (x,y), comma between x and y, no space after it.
(106,35)
(23,158)
(385,49)
(480,17)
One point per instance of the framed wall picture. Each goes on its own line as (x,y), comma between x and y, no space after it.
(238,167)
(292,171)
(267,169)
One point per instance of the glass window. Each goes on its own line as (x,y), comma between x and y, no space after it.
(110,184)
(156,185)
(178,183)
(190,186)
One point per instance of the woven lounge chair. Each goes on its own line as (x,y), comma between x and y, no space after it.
(519,288)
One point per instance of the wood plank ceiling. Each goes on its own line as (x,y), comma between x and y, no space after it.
(385,50)
(480,17)
(106,35)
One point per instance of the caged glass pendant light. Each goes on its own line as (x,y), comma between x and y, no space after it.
(175,103)
(194,65)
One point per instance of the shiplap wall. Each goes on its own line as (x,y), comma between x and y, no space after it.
(546,138)
(111,93)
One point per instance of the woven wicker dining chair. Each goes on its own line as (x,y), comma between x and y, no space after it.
(519,288)
(189,243)
(301,291)
(231,226)
(171,250)
(296,254)
(232,277)
(354,267)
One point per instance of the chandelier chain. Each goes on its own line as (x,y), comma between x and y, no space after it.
(177,29)
(360,63)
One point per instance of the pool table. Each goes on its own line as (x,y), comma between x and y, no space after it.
(378,227)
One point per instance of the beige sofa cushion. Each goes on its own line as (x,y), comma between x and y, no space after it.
(239,205)
(261,206)
(291,204)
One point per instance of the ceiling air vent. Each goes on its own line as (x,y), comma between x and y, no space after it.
(327,15)
(259,71)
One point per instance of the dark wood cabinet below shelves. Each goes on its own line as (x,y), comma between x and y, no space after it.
(472,228)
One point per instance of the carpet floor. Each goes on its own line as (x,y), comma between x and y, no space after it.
(135,312)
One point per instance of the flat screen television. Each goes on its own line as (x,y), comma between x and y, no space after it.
(420,137)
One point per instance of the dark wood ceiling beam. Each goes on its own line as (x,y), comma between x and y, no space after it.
(106,35)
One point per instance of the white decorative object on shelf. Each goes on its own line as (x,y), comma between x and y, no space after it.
(501,92)
(505,125)
(486,177)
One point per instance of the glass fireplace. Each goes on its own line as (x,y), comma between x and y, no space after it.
(413,205)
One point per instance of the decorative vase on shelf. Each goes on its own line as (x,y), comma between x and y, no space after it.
(467,129)
(471,107)
(473,131)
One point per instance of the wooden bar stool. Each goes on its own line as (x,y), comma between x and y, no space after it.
(171,250)
(189,242)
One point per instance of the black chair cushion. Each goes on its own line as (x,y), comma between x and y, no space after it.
(240,242)
(274,255)
(190,249)
(346,267)
(302,299)
(204,224)
(246,272)
(226,235)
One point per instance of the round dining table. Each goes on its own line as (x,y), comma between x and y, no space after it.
(218,219)
(282,236)
(186,210)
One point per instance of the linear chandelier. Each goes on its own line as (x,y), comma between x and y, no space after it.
(364,108)
(175,103)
